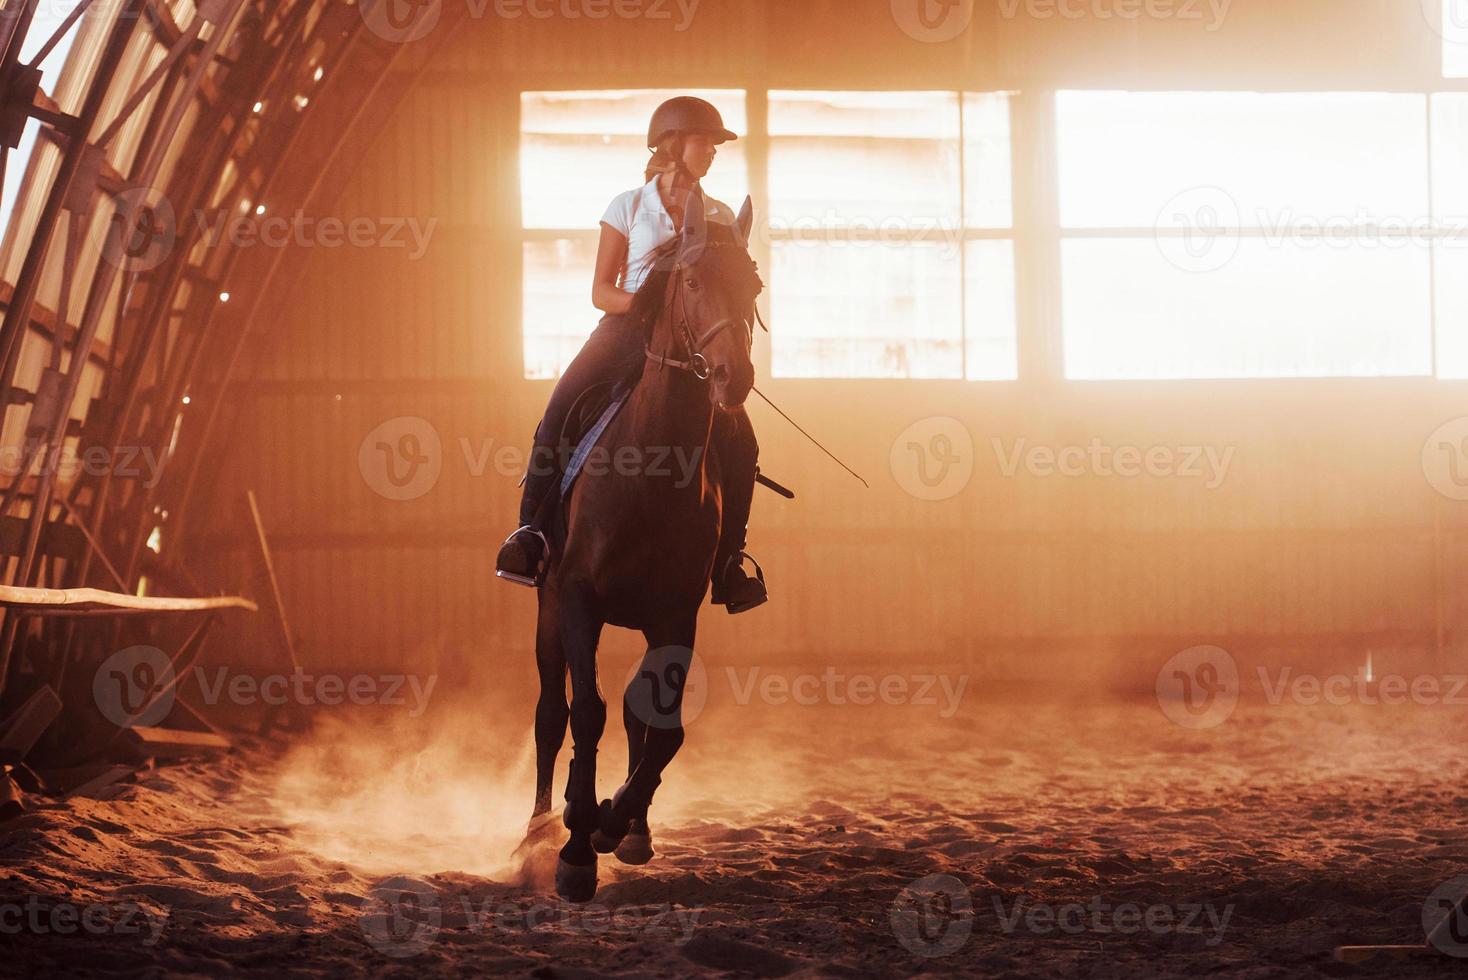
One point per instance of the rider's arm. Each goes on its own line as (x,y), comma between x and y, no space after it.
(610,255)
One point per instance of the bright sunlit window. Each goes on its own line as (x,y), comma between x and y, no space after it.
(891,234)
(1246,235)
(578,150)
(1450,205)
(1455,38)
(46,19)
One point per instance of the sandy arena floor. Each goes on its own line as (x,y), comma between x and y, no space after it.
(1086,840)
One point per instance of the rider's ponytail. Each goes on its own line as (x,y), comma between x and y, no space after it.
(668,156)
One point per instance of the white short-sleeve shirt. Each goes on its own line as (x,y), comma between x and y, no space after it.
(639,216)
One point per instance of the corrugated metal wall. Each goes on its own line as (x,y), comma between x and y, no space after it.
(1326,529)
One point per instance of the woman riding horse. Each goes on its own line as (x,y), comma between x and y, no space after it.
(683,136)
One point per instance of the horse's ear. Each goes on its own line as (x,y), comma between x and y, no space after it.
(744,224)
(695,229)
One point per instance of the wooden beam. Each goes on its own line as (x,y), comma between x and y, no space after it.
(170,743)
(61,601)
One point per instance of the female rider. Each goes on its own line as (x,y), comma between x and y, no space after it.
(683,136)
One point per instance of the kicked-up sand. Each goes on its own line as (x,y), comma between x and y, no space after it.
(1016,839)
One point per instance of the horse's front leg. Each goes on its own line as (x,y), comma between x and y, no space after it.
(580,629)
(551,717)
(655,699)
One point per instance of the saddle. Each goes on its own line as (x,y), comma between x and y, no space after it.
(591,413)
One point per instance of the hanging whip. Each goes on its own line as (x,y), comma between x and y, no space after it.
(810,437)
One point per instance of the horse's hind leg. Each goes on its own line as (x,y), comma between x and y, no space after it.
(659,715)
(579,632)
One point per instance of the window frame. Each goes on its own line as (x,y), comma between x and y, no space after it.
(1035,227)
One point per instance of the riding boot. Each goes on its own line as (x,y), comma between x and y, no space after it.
(522,556)
(738,453)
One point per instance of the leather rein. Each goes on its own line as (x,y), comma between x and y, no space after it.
(696,364)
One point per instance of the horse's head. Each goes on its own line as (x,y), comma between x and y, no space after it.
(708,303)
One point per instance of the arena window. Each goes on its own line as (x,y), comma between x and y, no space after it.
(1455,38)
(892,253)
(578,150)
(1237,234)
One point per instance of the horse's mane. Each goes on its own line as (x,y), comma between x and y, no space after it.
(732,264)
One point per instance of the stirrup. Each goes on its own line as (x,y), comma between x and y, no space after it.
(737,560)
(537,577)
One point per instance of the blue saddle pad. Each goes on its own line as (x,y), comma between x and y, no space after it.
(593,435)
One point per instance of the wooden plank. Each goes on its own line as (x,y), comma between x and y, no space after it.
(26,726)
(269,564)
(91,787)
(43,601)
(168,743)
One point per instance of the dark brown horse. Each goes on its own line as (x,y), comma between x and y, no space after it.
(640,541)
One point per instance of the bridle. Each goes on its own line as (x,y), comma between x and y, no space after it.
(696,364)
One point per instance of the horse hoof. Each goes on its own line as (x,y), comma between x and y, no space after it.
(635,849)
(575,882)
(609,832)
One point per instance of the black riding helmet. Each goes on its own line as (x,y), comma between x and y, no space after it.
(687,114)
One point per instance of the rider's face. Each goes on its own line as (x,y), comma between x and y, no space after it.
(698,154)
